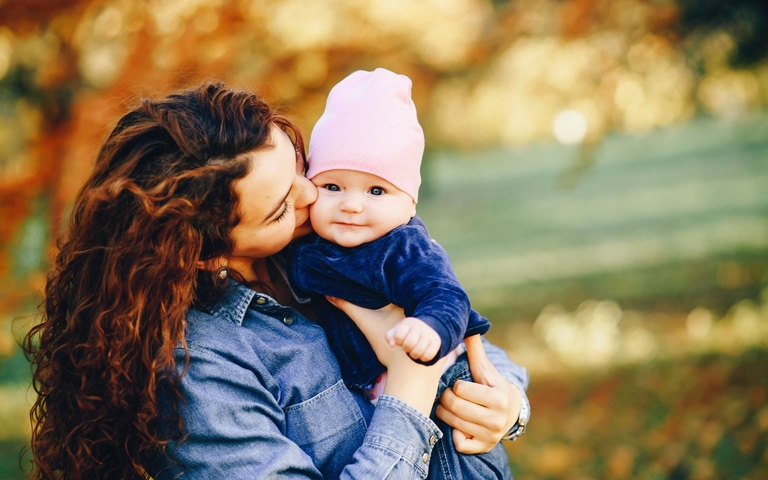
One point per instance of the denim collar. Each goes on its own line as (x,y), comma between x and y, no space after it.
(235,302)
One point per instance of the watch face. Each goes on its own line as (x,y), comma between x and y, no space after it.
(519,427)
(525,411)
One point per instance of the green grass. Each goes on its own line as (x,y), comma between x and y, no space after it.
(650,217)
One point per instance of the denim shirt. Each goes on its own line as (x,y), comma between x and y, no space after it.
(264,398)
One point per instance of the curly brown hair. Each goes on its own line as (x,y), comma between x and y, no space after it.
(159,199)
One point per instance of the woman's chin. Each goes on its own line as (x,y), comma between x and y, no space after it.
(302,230)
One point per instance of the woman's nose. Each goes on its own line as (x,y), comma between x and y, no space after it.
(307,192)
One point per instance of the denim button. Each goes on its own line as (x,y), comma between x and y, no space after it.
(261,300)
(432,439)
(425,457)
(288,320)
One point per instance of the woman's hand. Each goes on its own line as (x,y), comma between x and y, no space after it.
(483,412)
(411,382)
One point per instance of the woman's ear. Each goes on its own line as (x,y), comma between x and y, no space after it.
(204,265)
(212,264)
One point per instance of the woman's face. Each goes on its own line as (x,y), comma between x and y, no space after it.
(274,199)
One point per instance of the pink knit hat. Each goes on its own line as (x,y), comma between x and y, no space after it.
(370,125)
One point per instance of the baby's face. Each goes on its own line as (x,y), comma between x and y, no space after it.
(353,207)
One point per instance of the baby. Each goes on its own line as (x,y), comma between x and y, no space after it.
(365,156)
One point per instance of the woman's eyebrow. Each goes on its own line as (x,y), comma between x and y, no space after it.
(277,208)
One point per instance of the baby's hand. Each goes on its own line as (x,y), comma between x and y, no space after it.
(418,339)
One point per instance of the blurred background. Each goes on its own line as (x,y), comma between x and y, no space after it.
(596,169)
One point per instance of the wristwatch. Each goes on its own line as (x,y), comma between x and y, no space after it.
(522,421)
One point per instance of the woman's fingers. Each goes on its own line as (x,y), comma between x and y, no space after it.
(468,437)
(477,409)
(470,445)
(480,421)
(480,413)
(481,368)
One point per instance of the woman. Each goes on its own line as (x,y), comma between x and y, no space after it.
(171,343)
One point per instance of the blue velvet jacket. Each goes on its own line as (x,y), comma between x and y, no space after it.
(405,267)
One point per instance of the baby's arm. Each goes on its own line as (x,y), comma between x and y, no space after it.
(419,340)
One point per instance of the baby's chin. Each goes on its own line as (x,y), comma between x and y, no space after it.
(345,241)
(350,244)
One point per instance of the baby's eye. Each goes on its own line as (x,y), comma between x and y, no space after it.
(376,191)
(332,187)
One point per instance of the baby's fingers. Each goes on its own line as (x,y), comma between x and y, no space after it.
(424,350)
(397,334)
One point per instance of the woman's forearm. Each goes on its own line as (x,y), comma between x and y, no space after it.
(413,383)
(408,381)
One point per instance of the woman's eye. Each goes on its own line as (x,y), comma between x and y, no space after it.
(332,187)
(376,191)
(284,214)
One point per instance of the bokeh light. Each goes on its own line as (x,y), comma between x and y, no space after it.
(570,127)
